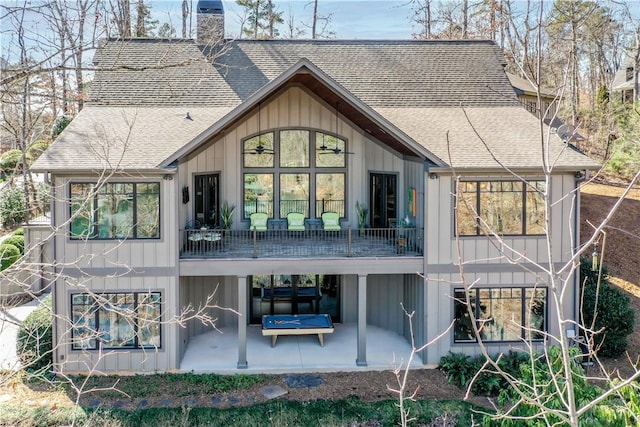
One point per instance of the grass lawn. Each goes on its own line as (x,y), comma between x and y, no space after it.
(33,405)
(274,413)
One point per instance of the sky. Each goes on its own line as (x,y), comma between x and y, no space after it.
(351,19)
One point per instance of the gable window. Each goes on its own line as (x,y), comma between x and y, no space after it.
(507,207)
(115,210)
(116,321)
(294,170)
(501,314)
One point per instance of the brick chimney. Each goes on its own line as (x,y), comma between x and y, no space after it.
(210,18)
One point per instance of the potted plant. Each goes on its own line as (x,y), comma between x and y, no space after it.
(361,211)
(226,215)
(401,234)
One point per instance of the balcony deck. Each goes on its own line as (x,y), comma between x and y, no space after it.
(311,243)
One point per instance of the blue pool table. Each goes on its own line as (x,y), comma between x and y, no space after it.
(296,324)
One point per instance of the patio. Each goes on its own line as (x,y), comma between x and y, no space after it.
(218,352)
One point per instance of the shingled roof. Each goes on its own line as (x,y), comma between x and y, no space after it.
(425,90)
(380,73)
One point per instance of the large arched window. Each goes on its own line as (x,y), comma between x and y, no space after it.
(294,170)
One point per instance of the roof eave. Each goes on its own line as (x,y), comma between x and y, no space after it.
(519,170)
(129,171)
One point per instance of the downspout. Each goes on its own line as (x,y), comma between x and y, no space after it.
(576,245)
(54,296)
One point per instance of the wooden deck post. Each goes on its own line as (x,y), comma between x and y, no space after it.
(242,322)
(362,320)
(255,243)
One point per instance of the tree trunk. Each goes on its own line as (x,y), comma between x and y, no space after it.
(636,68)
(465,19)
(315,20)
(256,20)
(140,30)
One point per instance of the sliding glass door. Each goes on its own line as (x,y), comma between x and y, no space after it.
(383,189)
(294,294)
(206,199)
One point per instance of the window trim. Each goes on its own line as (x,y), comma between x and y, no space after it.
(94,226)
(95,311)
(456,211)
(523,313)
(277,170)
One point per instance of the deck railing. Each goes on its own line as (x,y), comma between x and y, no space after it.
(310,243)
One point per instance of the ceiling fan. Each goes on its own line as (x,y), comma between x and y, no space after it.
(334,150)
(260,149)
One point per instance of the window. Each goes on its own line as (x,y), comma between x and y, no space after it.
(116,320)
(258,193)
(507,207)
(502,314)
(294,193)
(330,192)
(115,211)
(294,170)
(294,148)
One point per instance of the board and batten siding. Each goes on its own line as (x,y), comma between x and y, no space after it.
(442,246)
(224,293)
(116,266)
(114,253)
(483,264)
(385,293)
(125,360)
(293,108)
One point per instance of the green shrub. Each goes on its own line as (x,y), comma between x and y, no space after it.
(542,378)
(590,277)
(13,206)
(8,255)
(613,313)
(35,345)
(18,232)
(486,383)
(10,159)
(459,368)
(510,362)
(60,125)
(17,241)
(36,149)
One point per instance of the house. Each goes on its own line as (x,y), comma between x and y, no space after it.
(547,107)
(528,95)
(626,77)
(178,131)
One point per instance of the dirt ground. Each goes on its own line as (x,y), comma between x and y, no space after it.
(621,255)
(366,386)
(621,252)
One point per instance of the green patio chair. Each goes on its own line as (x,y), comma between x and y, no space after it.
(331,221)
(295,221)
(258,221)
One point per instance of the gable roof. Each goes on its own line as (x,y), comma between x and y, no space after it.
(306,73)
(407,94)
(380,73)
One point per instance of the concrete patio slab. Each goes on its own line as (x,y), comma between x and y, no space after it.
(217,352)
